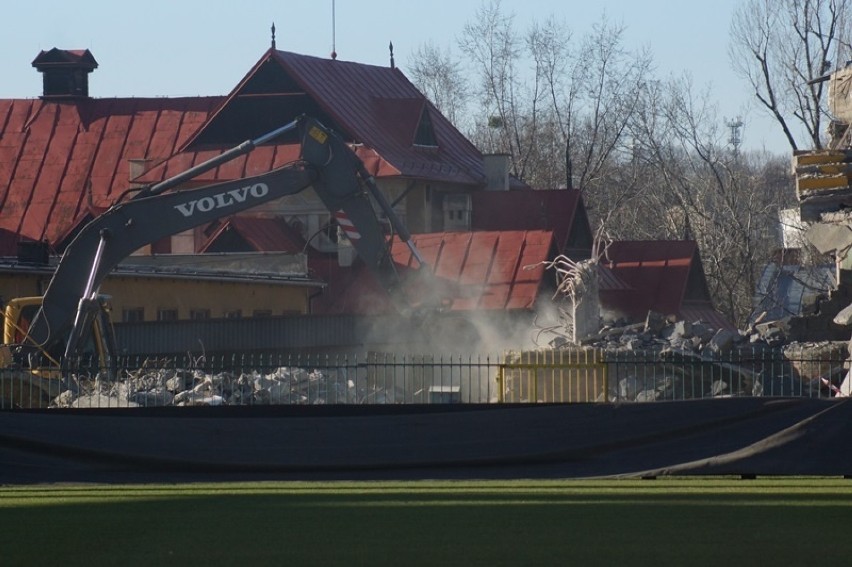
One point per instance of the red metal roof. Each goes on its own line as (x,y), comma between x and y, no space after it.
(555,210)
(487,270)
(377,108)
(58,159)
(659,274)
(609,281)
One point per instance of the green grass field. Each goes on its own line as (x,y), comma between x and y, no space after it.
(765,522)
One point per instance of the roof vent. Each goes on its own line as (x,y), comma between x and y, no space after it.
(65,72)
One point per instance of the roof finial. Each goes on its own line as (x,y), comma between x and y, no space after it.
(273,35)
(390,46)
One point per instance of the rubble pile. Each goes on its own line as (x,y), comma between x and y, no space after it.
(177,387)
(680,375)
(666,359)
(661,358)
(658,333)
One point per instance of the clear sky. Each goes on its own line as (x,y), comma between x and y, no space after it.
(196,47)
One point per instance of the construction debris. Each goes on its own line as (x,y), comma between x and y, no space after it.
(159,387)
(665,357)
(578,283)
(589,359)
(822,181)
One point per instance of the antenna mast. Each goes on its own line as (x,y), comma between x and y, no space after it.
(736,139)
(333,32)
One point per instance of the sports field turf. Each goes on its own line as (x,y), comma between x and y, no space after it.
(765,522)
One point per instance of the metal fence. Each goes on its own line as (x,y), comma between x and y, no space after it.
(562,376)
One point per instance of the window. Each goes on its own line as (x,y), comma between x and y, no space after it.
(456,211)
(133,314)
(199,314)
(167,314)
(262,313)
(425,135)
(233,314)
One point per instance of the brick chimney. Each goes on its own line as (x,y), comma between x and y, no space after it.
(65,72)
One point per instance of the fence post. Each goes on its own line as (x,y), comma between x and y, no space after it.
(501,380)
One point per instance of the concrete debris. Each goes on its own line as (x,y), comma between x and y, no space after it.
(158,387)
(723,341)
(680,376)
(830,237)
(629,388)
(844,317)
(101,400)
(678,331)
(702,331)
(658,333)
(843,215)
(158,396)
(699,346)
(65,399)
(654,322)
(773,333)
(845,388)
(179,382)
(693,359)
(811,360)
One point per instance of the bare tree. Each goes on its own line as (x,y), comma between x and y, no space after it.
(780,47)
(560,109)
(705,191)
(441,79)
(508,103)
(550,47)
(650,156)
(610,80)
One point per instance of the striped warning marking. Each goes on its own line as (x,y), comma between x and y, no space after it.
(348,227)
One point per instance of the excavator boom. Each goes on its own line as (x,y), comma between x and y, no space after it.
(328,165)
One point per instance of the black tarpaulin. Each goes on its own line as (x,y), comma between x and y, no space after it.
(733,436)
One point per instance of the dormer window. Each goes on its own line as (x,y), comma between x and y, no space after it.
(425,135)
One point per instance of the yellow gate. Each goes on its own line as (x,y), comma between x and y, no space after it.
(553,376)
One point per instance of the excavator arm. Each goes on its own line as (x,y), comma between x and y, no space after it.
(328,165)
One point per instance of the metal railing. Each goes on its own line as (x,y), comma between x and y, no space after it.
(560,376)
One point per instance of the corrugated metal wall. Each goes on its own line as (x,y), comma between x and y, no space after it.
(306,333)
(432,333)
